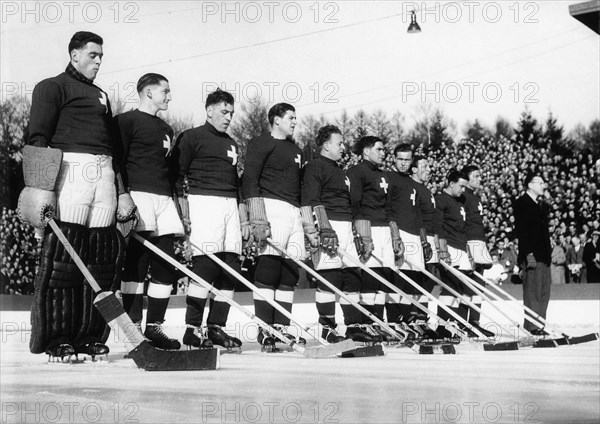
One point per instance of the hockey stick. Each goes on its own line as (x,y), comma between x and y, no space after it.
(400,334)
(309,352)
(143,353)
(334,348)
(466,281)
(542,323)
(385,282)
(486,346)
(494,346)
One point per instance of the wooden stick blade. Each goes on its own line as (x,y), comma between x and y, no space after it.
(150,358)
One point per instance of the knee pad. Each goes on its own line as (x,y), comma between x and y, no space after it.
(334,276)
(137,262)
(268,270)
(289,274)
(106,253)
(206,268)
(351,280)
(57,308)
(228,281)
(162,272)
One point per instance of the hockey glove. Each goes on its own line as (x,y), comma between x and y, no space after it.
(127,215)
(443,251)
(308,225)
(531,262)
(397,244)
(425,245)
(184,214)
(363,239)
(249,248)
(259,225)
(328,239)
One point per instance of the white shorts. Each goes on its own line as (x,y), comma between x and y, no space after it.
(85,189)
(382,247)
(215,224)
(413,252)
(434,257)
(157,214)
(286,229)
(343,229)
(459,258)
(479,251)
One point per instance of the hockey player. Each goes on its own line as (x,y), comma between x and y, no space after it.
(453,245)
(147,173)
(375,234)
(404,210)
(271,187)
(326,193)
(208,157)
(72,127)
(476,242)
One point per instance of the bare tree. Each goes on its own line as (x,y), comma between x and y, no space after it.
(250,122)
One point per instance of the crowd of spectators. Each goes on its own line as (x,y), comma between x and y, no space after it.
(574,201)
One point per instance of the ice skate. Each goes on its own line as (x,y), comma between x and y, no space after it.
(426,334)
(195,337)
(159,339)
(218,337)
(266,340)
(330,335)
(60,352)
(290,338)
(92,349)
(367,340)
(446,336)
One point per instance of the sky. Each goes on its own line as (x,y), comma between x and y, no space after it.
(473,60)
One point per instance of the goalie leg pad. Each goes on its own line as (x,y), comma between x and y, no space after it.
(56,307)
(106,251)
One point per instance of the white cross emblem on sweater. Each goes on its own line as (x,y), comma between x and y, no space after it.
(233,155)
(463,213)
(413,197)
(103,101)
(480,207)
(167,144)
(433,200)
(298,160)
(348,183)
(384,185)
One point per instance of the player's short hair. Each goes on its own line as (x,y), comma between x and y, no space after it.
(468,169)
(81,38)
(454,175)
(415,162)
(219,96)
(403,147)
(280,109)
(325,133)
(150,79)
(530,175)
(364,143)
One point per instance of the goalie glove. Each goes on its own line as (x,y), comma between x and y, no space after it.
(259,225)
(363,239)
(425,245)
(37,201)
(328,239)
(397,244)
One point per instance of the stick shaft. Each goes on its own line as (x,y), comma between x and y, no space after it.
(338,291)
(195,279)
(255,290)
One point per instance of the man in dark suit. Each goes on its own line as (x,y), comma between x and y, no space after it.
(531,229)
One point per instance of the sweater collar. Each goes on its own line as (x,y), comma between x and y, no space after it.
(75,74)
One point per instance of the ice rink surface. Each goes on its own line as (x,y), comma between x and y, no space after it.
(556,385)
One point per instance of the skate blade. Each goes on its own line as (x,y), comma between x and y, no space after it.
(583,339)
(364,351)
(150,358)
(440,349)
(495,347)
(231,350)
